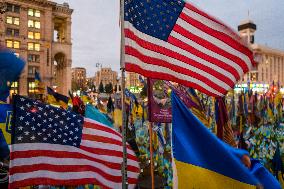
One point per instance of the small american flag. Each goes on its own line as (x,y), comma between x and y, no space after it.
(174,40)
(51,146)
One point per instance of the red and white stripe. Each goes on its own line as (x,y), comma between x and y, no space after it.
(201,52)
(97,161)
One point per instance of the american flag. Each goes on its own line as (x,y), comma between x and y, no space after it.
(51,146)
(174,40)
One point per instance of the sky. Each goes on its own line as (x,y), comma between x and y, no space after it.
(96,32)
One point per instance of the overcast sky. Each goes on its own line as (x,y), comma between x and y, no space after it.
(96,33)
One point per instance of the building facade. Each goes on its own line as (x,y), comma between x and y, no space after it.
(39,31)
(106,76)
(132,80)
(270,62)
(79,78)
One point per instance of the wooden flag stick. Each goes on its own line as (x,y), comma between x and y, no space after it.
(151,155)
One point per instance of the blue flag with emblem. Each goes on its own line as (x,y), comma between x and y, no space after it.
(202,160)
(6,121)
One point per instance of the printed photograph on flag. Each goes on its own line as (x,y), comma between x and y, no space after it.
(159,101)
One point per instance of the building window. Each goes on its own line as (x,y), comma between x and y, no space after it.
(13,8)
(37,35)
(33,46)
(12,44)
(30,23)
(14,88)
(33,35)
(31,87)
(13,20)
(34,24)
(37,47)
(33,12)
(16,44)
(33,58)
(30,35)
(32,70)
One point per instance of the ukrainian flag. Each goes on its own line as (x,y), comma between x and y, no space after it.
(202,160)
(5,121)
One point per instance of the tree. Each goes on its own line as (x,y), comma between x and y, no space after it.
(101,88)
(109,88)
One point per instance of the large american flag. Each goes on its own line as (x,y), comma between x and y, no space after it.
(174,40)
(51,146)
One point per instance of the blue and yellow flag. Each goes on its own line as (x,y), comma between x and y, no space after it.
(201,159)
(5,121)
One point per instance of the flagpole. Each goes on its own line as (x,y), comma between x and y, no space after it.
(122,68)
(151,155)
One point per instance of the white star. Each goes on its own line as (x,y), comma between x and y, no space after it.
(76,129)
(59,136)
(33,128)
(70,139)
(72,124)
(64,141)
(55,131)
(56,116)
(54,139)
(65,134)
(74,115)
(21,118)
(74,144)
(20,128)
(27,133)
(66,127)
(47,106)
(19,138)
(49,126)
(55,124)
(51,111)
(39,116)
(38,124)
(64,113)
(76,137)
(71,132)
(22,99)
(60,129)
(43,130)
(33,138)
(28,105)
(22,108)
(49,135)
(50,119)
(27,123)
(40,108)
(44,121)
(61,122)
(33,119)
(79,120)
(68,118)
(28,113)
(39,134)
(45,113)
(44,138)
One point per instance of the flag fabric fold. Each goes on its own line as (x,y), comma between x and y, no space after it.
(201,159)
(51,146)
(174,40)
